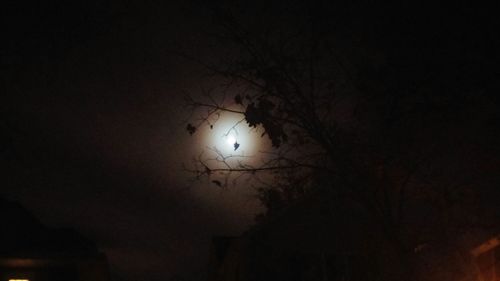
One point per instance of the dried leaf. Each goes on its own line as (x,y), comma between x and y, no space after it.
(191,129)
(238,100)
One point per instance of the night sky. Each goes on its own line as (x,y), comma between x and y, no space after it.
(94,134)
(93,130)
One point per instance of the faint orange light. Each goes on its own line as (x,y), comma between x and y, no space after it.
(19,280)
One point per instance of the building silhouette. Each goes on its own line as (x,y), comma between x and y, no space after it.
(309,242)
(31,251)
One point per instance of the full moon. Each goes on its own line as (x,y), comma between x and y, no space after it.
(230,140)
(229,135)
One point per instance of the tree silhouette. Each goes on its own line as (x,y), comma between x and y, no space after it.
(350,117)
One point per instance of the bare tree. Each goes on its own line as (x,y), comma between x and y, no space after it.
(295,86)
(339,119)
